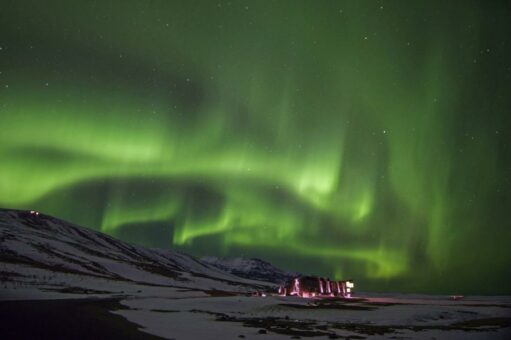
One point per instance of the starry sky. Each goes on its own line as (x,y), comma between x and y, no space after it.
(351,139)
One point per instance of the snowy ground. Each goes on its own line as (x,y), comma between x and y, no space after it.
(286,317)
(188,314)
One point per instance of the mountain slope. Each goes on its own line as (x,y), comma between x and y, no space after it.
(253,268)
(37,250)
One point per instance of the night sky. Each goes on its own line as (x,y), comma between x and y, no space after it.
(352,139)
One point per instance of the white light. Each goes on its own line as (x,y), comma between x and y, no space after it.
(350,284)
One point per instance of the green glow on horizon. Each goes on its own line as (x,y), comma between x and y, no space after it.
(362,138)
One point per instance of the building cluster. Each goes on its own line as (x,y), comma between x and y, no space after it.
(313,286)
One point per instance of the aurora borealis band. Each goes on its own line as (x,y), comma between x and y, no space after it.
(360,139)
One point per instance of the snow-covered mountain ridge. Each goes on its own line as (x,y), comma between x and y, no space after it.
(42,251)
(253,268)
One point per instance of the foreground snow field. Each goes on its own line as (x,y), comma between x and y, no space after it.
(192,315)
(66,281)
(285,317)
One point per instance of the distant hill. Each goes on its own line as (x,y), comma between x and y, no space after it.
(253,268)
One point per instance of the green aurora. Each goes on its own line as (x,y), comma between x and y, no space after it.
(356,139)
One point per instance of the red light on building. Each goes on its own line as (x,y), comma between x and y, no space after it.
(313,286)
